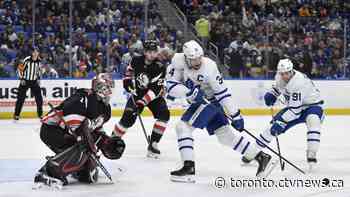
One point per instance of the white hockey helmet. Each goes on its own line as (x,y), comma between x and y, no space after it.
(193,53)
(192,50)
(284,65)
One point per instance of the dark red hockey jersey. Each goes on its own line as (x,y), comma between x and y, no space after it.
(76,108)
(148,78)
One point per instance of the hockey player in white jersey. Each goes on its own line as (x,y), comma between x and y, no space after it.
(303,105)
(196,78)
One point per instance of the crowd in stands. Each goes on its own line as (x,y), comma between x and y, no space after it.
(89,49)
(252,35)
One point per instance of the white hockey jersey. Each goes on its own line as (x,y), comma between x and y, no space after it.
(299,93)
(207,77)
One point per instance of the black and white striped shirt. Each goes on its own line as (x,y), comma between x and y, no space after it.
(32,69)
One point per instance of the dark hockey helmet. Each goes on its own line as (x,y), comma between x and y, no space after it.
(150,45)
(102,85)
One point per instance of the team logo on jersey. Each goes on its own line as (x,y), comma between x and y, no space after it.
(142,81)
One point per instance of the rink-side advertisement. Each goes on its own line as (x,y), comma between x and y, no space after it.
(247,94)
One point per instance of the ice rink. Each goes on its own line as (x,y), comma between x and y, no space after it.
(22,154)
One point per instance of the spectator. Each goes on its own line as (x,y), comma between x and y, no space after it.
(304,11)
(272,29)
(49,72)
(203,29)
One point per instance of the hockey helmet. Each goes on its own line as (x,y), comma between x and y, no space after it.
(102,85)
(150,50)
(285,69)
(150,45)
(193,53)
(284,65)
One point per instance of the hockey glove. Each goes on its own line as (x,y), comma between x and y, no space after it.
(237,121)
(129,86)
(278,127)
(111,147)
(140,104)
(195,95)
(270,99)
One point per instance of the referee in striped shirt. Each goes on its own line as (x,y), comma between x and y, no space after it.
(29,74)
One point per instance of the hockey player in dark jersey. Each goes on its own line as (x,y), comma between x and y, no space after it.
(74,130)
(144,80)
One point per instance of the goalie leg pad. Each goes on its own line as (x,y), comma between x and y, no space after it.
(89,173)
(71,160)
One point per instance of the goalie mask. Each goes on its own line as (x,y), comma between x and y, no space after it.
(102,85)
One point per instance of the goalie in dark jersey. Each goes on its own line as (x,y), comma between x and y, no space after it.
(144,79)
(74,132)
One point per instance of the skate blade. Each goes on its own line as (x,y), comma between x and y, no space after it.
(54,186)
(37,186)
(183,179)
(153,155)
(250,164)
(269,168)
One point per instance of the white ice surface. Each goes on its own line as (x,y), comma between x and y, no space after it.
(22,153)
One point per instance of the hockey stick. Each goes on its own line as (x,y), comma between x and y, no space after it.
(101,166)
(249,133)
(282,163)
(278,145)
(92,156)
(140,119)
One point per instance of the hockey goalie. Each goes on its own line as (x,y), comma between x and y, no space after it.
(74,132)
